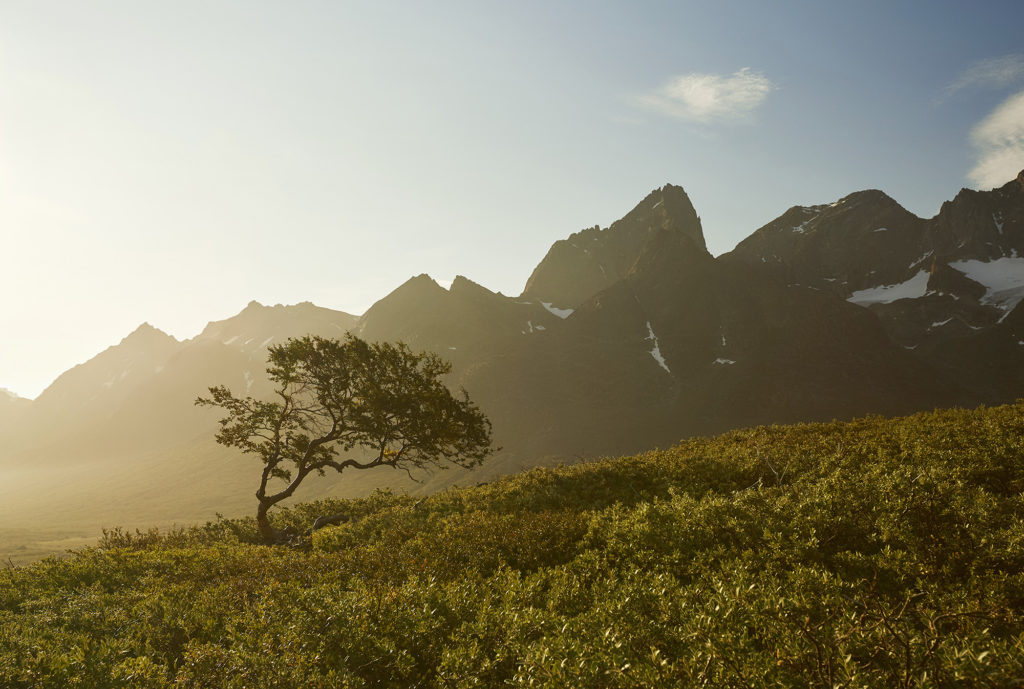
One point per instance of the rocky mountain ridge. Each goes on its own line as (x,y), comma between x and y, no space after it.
(944,287)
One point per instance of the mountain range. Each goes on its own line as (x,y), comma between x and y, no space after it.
(624,338)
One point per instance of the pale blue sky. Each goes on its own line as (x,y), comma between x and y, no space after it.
(168,162)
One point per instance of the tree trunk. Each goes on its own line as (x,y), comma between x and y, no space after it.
(267,532)
(333,520)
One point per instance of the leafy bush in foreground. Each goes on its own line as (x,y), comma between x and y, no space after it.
(872,553)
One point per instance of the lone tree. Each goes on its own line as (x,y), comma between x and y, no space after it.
(332,396)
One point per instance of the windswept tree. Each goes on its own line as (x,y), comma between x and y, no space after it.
(348,404)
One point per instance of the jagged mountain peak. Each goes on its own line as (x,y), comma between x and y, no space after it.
(418,293)
(861,210)
(146,334)
(112,373)
(966,195)
(1014,185)
(982,225)
(865,196)
(257,307)
(461,282)
(421,281)
(863,239)
(593,259)
(668,207)
(257,326)
(864,203)
(463,285)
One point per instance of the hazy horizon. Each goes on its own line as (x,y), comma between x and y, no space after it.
(168,164)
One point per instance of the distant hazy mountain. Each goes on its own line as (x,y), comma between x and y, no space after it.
(624,338)
(118,438)
(10,400)
(258,326)
(12,407)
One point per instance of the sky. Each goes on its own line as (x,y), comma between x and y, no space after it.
(167,162)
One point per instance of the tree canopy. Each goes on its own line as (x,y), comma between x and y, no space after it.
(343,404)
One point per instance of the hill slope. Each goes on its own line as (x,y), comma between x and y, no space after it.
(875,553)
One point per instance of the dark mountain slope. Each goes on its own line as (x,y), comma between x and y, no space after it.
(941,287)
(861,240)
(688,345)
(982,225)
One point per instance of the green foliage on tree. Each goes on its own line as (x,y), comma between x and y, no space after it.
(380,404)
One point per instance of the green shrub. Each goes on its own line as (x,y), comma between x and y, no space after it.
(875,553)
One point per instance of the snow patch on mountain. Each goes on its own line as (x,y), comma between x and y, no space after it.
(814,213)
(656,350)
(913,288)
(925,256)
(561,313)
(723,361)
(1003,279)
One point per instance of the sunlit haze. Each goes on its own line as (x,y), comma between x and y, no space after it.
(169,162)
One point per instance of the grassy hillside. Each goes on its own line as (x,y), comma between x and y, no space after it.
(872,553)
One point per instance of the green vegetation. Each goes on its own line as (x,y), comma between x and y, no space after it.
(876,553)
(348,395)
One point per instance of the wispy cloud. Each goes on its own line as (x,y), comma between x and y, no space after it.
(999,140)
(710,97)
(999,72)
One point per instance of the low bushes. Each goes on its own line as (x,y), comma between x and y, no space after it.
(875,553)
